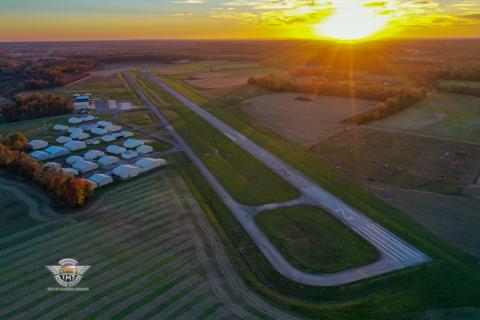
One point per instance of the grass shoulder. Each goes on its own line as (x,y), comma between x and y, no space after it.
(314,241)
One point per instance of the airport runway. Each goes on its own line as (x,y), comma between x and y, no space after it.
(395,254)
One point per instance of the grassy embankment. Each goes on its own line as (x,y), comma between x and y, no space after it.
(314,241)
(450,281)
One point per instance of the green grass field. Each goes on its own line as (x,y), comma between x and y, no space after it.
(460,83)
(13,214)
(140,118)
(449,116)
(314,241)
(143,261)
(246,178)
(185,89)
(450,281)
(36,128)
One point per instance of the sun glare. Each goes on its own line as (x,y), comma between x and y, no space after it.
(351,21)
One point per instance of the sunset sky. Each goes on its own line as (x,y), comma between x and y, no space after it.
(155,19)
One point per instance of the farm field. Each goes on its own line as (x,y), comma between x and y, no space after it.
(144,254)
(460,83)
(447,116)
(401,159)
(229,78)
(110,87)
(453,218)
(303,122)
(314,241)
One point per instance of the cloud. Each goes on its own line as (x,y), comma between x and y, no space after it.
(187,1)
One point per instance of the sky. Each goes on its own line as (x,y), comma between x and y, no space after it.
(39,20)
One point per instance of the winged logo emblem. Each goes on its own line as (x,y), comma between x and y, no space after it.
(68,273)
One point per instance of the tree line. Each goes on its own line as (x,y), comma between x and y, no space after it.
(35,106)
(466,90)
(393,99)
(73,191)
(22,74)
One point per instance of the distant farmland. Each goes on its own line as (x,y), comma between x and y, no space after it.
(451,116)
(304,122)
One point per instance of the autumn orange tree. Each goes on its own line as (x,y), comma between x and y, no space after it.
(74,191)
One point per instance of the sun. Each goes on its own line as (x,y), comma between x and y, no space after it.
(351,21)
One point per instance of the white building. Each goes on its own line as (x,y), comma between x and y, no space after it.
(56,151)
(130,154)
(106,161)
(146,164)
(104,123)
(75,120)
(100,180)
(114,149)
(93,154)
(72,159)
(99,131)
(113,128)
(38,144)
(40,155)
(144,149)
(126,171)
(70,171)
(133,143)
(60,127)
(80,135)
(75,145)
(126,134)
(74,130)
(108,138)
(63,139)
(89,118)
(112,104)
(85,166)
(125,106)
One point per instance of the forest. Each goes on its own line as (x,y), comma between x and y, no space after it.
(73,191)
(35,106)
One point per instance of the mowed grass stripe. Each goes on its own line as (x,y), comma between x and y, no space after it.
(222,313)
(199,309)
(114,283)
(29,280)
(208,312)
(108,239)
(72,237)
(124,256)
(119,301)
(182,306)
(135,185)
(136,198)
(54,304)
(106,218)
(153,310)
(38,273)
(15,236)
(178,283)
